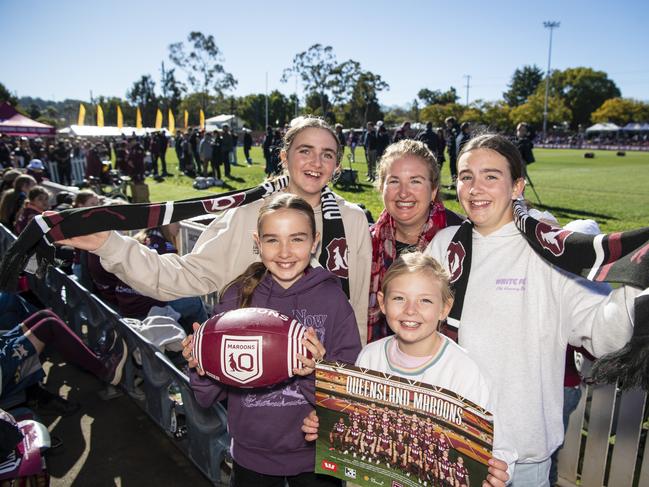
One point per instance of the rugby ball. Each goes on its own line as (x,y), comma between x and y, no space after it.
(249,347)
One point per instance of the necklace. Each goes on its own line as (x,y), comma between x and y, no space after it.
(414,235)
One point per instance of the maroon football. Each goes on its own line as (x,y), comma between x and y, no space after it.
(249,347)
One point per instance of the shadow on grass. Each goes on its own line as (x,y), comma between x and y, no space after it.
(354,188)
(560,211)
(235,178)
(557,211)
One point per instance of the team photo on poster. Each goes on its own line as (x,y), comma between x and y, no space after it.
(379,429)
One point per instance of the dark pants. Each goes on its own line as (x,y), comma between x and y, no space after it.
(242,477)
(452,164)
(154,162)
(65,173)
(225,160)
(246,153)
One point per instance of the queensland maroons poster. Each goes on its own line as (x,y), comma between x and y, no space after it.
(377,429)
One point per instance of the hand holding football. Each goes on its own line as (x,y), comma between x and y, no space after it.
(250,347)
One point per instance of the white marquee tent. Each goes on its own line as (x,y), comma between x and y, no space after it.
(603,127)
(93,131)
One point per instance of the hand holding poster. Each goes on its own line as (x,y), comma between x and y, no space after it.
(380,429)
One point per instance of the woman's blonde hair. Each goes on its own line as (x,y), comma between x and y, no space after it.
(414,263)
(404,148)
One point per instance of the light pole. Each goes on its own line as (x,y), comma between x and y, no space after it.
(266,100)
(550,24)
(468,84)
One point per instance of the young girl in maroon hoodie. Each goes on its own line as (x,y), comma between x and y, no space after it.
(268,446)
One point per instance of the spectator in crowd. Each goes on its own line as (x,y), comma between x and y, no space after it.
(205,153)
(187,159)
(38,201)
(22,154)
(84,198)
(353,142)
(162,143)
(540,314)
(121,157)
(154,150)
(402,132)
(268,153)
(63,162)
(194,139)
(94,167)
(217,157)
(13,199)
(135,161)
(247,144)
(8,178)
(371,144)
(441,145)
(464,136)
(37,170)
(341,136)
(178,147)
(382,141)
(279,455)
(429,137)
(524,144)
(5,153)
(21,346)
(453,131)
(227,148)
(408,180)
(235,142)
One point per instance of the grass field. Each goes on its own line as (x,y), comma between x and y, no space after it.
(612,190)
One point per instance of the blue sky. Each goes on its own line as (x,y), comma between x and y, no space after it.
(64,49)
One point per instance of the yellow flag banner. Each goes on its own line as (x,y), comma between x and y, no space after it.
(82,114)
(158,119)
(172,122)
(186,119)
(202,120)
(120,118)
(100,116)
(138,118)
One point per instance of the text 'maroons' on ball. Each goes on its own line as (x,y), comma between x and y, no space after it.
(249,347)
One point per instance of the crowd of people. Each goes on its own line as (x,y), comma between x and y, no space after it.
(308,252)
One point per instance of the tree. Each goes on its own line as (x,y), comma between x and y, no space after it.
(142,94)
(315,67)
(496,116)
(202,65)
(252,110)
(437,97)
(364,104)
(525,81)
(5,95)
(172,89)
(436,114)
(34,112)
(343,79)
(621,111)
(583,90)
(532,111)
(194,103)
